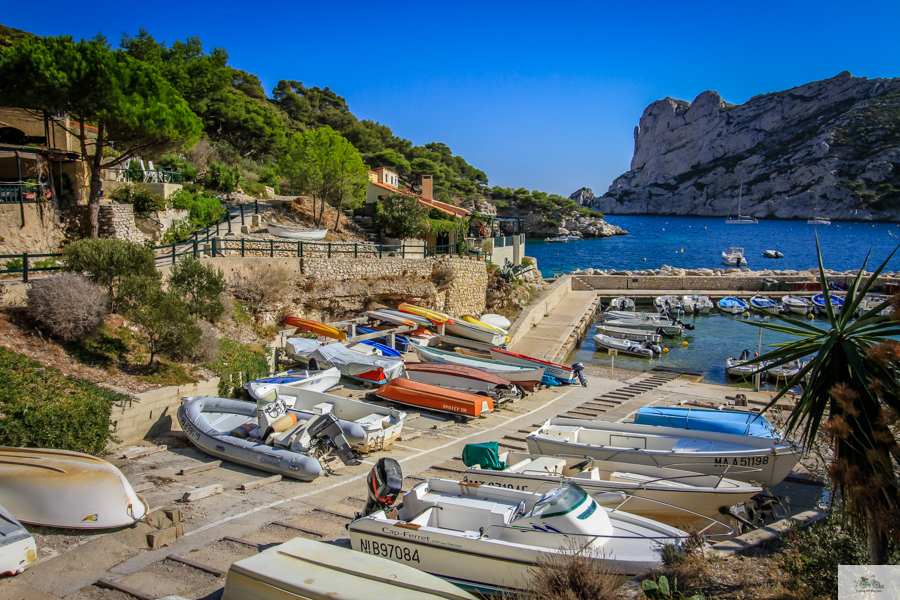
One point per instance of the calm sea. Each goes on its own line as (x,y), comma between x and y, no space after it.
(696,242)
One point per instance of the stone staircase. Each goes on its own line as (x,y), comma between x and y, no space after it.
(365,224)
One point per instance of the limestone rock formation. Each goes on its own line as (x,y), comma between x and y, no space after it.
(830,146)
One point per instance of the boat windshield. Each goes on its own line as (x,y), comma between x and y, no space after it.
(560,501)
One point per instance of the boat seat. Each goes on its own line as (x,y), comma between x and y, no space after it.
(373,419)
(465,513)
(638,478)
(517,468)
(283,439)
(544,465)
(592,474)
(324,408)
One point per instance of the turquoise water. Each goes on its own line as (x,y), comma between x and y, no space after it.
(695,242)
(714,339)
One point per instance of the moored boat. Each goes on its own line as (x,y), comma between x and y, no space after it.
(837,302)
(667,327)
(668,304)
(316,380)
(702,451)
(642,349)
(760,302)
(738,367)
(733,306)
(772,254)
(434,398)
(17,548)
(796,304)
(297,233)
(734,257)
(527,377)
(58,488)
(366,368)
(784,373)
(623,333)
(622,304)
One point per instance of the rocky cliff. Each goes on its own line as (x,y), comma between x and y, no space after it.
(549,223)
(830,146)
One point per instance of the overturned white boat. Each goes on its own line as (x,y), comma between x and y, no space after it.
(642,349)
(700,451)
(17,548)
(313,380)
(487,539)
(268,436)
(656,492)
(472,331)
(58,488)
(382,425)
(367,368)
(297,233)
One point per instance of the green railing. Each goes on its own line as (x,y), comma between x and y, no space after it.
(20,193)
(155,176)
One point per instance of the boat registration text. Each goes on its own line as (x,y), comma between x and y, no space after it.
(389,550)
(744,461)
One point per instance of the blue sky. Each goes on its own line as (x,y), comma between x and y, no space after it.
(538,95)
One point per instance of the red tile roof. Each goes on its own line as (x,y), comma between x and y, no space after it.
(449,209)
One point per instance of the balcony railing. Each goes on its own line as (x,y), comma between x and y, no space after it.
(132,176)
(18,193)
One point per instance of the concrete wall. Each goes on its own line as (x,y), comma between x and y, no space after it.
(40,233)
(154,412)
(540,307)
(500,255)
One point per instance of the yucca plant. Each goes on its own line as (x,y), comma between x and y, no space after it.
(853,396)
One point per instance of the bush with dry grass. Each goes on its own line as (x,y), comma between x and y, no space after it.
(572,575)
(260,285)
(207,348)
(68,306)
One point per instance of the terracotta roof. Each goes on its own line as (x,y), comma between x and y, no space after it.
(449,209)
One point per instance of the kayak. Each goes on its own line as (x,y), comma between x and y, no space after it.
(484,325)
(316,327)
(432,315)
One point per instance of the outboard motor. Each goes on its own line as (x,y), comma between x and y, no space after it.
(577,368)
(384,483)
(662,332)
(325,428)
(687,326)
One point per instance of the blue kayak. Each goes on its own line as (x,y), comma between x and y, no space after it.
(699,419)
(385,350)
(400,342)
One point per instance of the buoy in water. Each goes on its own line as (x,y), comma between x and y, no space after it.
(682,249)
(645,260)
(684,344)
(665,350)
(810,316)
(745,315)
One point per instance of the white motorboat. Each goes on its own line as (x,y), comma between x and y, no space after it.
(527,377)
(796,304)
(268,436)
(487,539)
(563,238)
(738,367)
(302,569)
(474,332)
(625,314)
(701,451)
(784,373)
(734,257)
(819,221)
(297,233)
(733,306)
(642,349)
(670,328)
(772,254)
(622,304)
(871,301)
(17,548)
(658,492)
(697,303)
(382,425)
(638,335)
(668,304)
(366,368)
(760,302)
(58,488)
(315,380)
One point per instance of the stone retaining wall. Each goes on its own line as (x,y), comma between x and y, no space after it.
(117,221)
(41,231)
(540,307)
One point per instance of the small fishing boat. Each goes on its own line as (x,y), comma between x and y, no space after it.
(268,436)
(796,304)
(623,333)
(381,425)
(667,327)
(17,548)
(772,254)
(398,318)
(474,332)
(624,314)
(563,238)
(310,570)
(473,352)
(696,304)
(487,538)
(622,304)
(483,325)
(561,372)
(434,398)
(704,419)
(315,381)
(466,379)
(738,367)
(784,373)
(733,306)
(400,342)
(496,321)
(58,488)
(668,305)
(870,302)
(759,302)
(367,368)
(432,315)
(526,377)
(297,233)
(769,460)
(734,257)
(316,327)
(657,492)
(837,302)
(642,349)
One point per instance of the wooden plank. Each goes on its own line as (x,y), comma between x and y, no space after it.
(228,538)
(144,452)
(514,447)
(258,483)
(405,437)
(200,468)
(198,566)
(298,528)
(106,583)
(515,438)
(334,513)
(204,492)
(143,487)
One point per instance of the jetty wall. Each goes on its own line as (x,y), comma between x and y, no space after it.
(714,283)
(540,308)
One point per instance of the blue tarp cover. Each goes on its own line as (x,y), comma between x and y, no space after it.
(699,419)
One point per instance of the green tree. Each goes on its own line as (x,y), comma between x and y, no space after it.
(251,126)
(401,216)
(108,261)
(164,317)
(853,395)
(201,286)
(323,164)
(117,101)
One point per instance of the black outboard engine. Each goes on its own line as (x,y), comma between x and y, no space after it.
(578,368)
(326,427)
(384,483)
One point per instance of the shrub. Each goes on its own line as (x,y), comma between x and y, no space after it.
(68,306)
(208,347)
(108,261)
(572,576)
(201,286)
(222,178)
(237,362)
(660,590)
(203,211)
(260,284)
(487,247)
(178,164)
(401,216)
(140,197)
(44,408)
(269,176)
(167,325)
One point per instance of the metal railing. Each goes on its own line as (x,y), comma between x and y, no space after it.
(155,176)
(12,193)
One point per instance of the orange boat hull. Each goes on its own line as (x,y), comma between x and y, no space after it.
(432,397)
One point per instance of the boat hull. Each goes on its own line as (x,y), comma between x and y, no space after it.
(466,379)
(96,494)
(297,233)
(18,550)
(524,376)
(563,373)
(316,327)
(623,346)
(479,334)
(434,398)
(432,315)
(636,335)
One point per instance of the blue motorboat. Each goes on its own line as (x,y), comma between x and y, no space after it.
(764,303)
(400,342)
(837,303)
(733,306)
(699,419)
